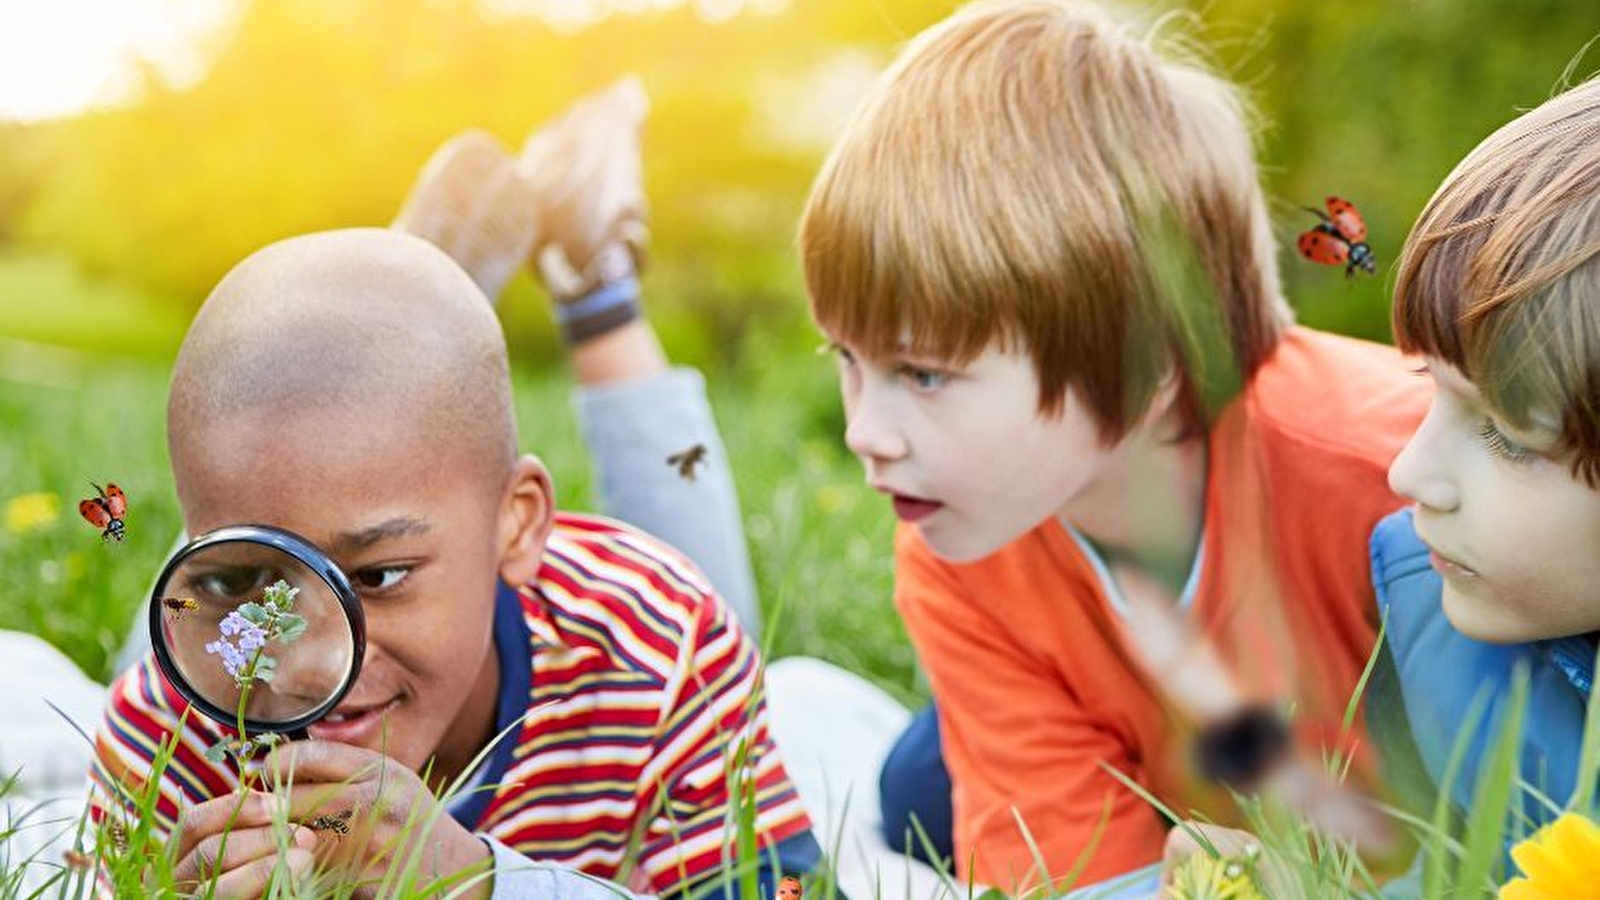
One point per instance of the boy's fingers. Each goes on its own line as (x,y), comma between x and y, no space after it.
(220,855)
(249,809)
(250,881)
(324,762)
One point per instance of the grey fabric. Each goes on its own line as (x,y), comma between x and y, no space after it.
(516,877)
(631,428)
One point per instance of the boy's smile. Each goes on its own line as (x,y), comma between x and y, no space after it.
(1510,529)
(414,530)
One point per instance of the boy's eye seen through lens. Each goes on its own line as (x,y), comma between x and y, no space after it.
(234,582)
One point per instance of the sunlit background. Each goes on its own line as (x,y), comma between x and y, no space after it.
(147,145)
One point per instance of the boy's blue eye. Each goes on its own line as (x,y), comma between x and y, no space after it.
(925,379)
(1499,445)
(379,578)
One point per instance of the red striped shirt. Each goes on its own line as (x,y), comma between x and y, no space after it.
(643,689)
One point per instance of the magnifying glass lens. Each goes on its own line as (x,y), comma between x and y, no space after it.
(242,615)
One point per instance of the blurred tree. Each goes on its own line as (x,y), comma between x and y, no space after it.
(317,113)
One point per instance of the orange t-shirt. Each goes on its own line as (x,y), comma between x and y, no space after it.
(1037,693)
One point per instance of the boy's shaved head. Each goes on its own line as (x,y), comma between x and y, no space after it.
(370,328)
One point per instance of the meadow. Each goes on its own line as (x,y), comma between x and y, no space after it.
(115,222)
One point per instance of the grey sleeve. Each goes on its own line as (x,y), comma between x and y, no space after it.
(631,428)
(516,877)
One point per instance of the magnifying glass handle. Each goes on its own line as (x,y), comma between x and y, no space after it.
(299,734)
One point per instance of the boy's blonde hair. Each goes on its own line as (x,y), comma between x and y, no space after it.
(1501,274)
(1014,176)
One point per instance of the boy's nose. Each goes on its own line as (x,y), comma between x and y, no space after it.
(870,435)
(1419,473)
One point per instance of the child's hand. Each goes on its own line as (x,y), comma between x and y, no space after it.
(369,811)
(1244,868)
(230,839)
(586,173)
(1181,844)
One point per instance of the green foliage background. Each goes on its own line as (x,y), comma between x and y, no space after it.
(317,113)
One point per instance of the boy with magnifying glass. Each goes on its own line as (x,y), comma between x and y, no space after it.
(351,387)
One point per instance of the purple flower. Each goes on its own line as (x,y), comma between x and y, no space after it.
(233,659)
(233,623)
(252,637)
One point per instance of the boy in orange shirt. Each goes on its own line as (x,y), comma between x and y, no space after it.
(1043,256)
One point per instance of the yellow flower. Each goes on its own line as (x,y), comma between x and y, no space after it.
(26,512)
(1204,877)
(1560,862)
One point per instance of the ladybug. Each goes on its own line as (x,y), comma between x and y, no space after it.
(1340,239)
(106,510)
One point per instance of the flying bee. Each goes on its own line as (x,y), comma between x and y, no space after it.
(339,822)
(179,606)
(686,460)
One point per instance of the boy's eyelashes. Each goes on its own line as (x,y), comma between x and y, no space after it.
(381,578)
(921,377)
(1499,445)
(837,350)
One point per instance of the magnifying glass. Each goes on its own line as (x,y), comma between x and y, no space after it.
(259,613)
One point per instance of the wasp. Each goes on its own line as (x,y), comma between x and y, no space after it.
(179,605)
(686,460)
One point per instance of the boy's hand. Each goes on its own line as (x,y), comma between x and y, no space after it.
(369,812)
(230,840)
(1181,844)
(585,171)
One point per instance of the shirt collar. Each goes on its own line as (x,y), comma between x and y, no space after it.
(1574,656)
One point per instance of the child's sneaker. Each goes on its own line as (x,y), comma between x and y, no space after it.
(585,170)
(470,202)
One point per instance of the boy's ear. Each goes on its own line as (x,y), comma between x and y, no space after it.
(527,514)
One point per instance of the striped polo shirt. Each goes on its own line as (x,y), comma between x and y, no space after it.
(633,686)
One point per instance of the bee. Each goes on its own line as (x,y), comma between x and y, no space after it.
(106,510)
(686,460)
(339,822)
(118,833)
(179,605)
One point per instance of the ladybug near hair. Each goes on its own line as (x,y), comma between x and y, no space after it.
(1340,239)
(106,510)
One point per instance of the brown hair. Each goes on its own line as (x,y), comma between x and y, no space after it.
(1027,172)
(1501,274)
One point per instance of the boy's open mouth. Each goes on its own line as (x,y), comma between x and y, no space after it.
(352,723)
(913,509)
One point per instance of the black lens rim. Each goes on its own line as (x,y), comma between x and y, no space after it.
(308,555)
